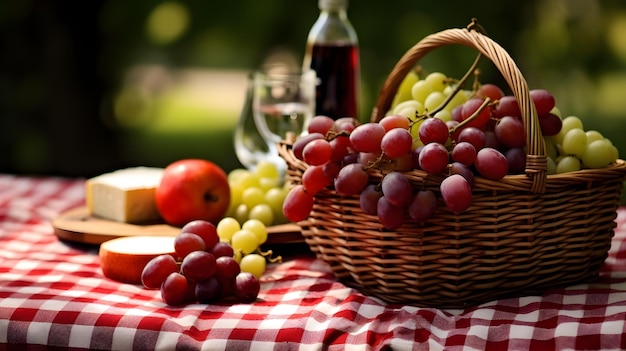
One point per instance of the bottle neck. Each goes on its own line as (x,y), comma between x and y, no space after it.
(333,26)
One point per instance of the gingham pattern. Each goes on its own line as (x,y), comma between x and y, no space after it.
(53,293)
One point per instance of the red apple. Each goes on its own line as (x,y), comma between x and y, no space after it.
(192,189)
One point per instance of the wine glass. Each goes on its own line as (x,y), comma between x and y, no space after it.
(250,146)
(283,102)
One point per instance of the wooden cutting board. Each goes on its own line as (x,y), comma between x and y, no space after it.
(79,226)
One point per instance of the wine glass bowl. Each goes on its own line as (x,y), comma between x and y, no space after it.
(283,102)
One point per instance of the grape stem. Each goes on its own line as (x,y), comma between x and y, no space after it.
(484,105)
(268,256)
(458,86)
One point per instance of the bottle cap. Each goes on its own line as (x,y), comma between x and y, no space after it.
(332,4)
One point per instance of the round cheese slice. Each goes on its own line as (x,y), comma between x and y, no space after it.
(123,259)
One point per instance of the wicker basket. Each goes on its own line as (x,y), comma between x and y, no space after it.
(522,234)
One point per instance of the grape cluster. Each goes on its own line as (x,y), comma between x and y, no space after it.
(207,269)
(573,148)
(257,194)
(443,130)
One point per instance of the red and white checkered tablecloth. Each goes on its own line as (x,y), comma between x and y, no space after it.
(53,293)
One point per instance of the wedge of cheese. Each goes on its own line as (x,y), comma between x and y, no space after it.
(125,195)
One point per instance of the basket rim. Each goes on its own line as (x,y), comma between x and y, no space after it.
(513,182)
(472,37)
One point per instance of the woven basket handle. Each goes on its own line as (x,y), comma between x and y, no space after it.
(536,159)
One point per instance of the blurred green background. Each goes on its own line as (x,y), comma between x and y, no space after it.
(91,86)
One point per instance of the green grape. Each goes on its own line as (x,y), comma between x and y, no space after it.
(241,213)
(415,135)
(434,100)
(551,149)
(236,192)
(444,115)
(575,142)
(593,135)
(275,198)
(555,111)
(248,180)
(254,264)
(244,240)
(252,196)
(458,99)
(267,169)
(226,227)
(236,174)
(258,228)
(404,90)
(409,108)
(263,213)
(598,154)
(568,164)
(569,123)
(437,81)
(420,90)
(267,183)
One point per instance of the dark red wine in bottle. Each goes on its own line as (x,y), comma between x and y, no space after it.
(332,51)
(337,68)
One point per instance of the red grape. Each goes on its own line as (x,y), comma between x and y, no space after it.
(390,216)
(470,107)
(351,179)
(491,140)
(491,91)
(314,179)
(174,289)
(434,158)
(472,135)
(516,158)
(457,114)
(464,152)
(246,287)
(423,205)
(198,266)
(433,130)
(397,142)
(320,124)
(394,121)
(550,124)
(317,152)
(208,291)
(331,169)
(301,142)
(222,248)
(367,137)
(456,193)
(204,229)
(397,189)
(341,147)
(345,124)
(543,100)
(298,204)
(368,199)
(510,132)
(156,270)
(367,158)
(185,243)
(415,157)
(491,164)
(227,267)
(463,170)
(507,106)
